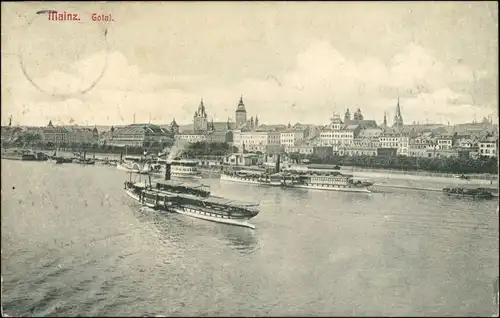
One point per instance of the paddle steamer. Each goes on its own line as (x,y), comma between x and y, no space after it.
(191,200)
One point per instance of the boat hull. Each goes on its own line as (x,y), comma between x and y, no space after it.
(124,168)
(177,175)
(225,177)
(470,196)
(331,188)
(194,212)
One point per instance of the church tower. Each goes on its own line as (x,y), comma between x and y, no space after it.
(347,116)
(385,120)
(398,118)
(200,120)
(358,115)
(174,127)
(241,114)
(256,122)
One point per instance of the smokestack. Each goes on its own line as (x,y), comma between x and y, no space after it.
(167,171)
(278,164)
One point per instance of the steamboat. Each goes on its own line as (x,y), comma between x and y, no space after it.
(133,164)
(180,168)
(324,180)
(479,193)
(191,200)
(318,177)
(259,176)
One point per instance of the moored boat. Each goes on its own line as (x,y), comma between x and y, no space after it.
(478,193)
(181,168)
(254,176)
(462,177)
(133,164)
(338,182)
(191,200)
(24,155)
(85,161)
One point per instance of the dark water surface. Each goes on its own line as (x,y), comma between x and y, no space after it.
(74,244)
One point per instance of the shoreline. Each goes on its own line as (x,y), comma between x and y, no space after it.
(356,171)
(393,172)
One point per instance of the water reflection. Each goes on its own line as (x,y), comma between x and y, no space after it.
(174,228)
(241,239)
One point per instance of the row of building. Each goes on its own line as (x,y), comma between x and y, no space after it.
(342,136)
(135,135)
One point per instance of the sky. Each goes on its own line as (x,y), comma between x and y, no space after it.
(291,61)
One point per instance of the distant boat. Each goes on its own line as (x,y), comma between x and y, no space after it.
(85,161)
(133,164)
(479,193)
(24,155)
(462,177)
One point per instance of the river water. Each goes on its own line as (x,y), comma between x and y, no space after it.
(74,244)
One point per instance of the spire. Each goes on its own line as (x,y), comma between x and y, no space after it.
(256,122)
(385,119)
(50,123)
(398,109)
(201,108)
(241,106)
(398,118)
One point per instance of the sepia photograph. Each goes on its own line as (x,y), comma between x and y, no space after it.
(265,159)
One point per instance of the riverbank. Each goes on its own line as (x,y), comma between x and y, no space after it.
(482,176)
(361,172)
(450,180)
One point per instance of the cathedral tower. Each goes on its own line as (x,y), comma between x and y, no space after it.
(200,120)
(398,118)
(241,114)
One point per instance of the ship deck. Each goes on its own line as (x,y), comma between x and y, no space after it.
(209,200)
(181,184)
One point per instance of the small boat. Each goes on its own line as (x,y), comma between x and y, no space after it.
(462,177)
(60,160)
(85,161)
(479,193)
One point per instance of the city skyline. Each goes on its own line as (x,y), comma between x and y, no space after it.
(302,60)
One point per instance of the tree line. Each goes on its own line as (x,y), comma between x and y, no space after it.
(456,165)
